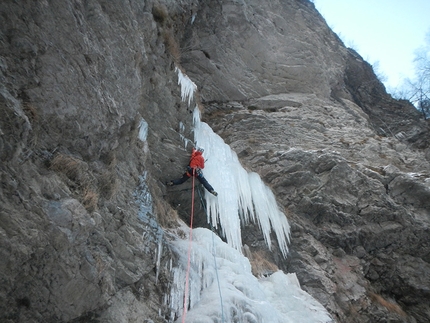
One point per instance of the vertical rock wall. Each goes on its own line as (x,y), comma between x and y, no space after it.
(83,207)
(77,79)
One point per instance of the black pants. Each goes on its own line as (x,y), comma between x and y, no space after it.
(200,177)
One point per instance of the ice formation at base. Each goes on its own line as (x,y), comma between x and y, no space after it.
(222,288)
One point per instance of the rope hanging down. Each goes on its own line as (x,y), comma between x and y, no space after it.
(184,313)
(214,254)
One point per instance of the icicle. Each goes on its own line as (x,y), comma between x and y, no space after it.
(241,195)
(181,127)
(187,86)
(143,130)
(196,116)
(269,214)
(177,291)
(182,136)
(159,251)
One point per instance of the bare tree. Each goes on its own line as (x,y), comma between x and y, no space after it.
(418,90)
(420,87)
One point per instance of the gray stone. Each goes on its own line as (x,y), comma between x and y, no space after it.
(349,164)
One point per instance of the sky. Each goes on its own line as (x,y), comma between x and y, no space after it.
(385,32)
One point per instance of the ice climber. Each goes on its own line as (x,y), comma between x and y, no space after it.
(195,166)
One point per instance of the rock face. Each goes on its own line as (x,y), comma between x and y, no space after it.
(77,79)
(83,207)
(359,215)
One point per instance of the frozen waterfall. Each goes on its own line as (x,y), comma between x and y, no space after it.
(242,195)
(222,287)
(224,290)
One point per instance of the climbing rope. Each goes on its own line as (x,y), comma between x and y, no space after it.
(184,313)
(214,253)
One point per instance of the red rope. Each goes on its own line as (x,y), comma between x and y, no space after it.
(184,313)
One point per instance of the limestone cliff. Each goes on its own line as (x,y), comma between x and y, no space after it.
(80,80)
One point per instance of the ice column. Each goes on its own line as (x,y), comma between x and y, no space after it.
(242,195)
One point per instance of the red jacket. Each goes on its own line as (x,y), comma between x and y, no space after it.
(197,159)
